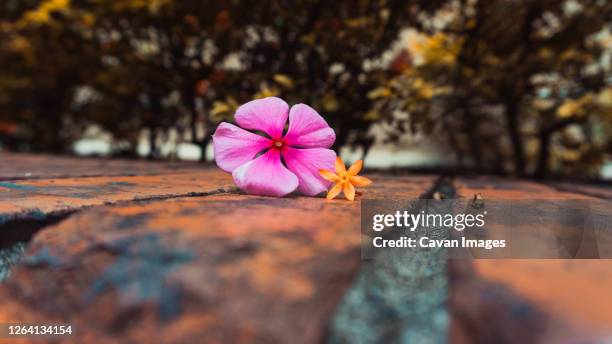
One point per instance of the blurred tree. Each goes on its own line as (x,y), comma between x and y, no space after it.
(45,60)
(308,51)
(163,65)
(512,85)
(182,66)
(328,56)
(504,79)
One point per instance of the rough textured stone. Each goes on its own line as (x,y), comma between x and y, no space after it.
(218,268)
(570,294)
(39,198)
(135,261)
(600,190)
(34,166)
(400,296)
(486,311)
(506,188)
(575,291)
(9,256)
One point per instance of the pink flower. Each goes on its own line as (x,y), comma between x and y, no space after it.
(255,161)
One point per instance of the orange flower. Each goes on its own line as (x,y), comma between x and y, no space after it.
(345,180)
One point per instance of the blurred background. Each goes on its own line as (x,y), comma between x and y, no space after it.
(520,87)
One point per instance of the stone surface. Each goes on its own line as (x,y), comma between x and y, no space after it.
(220,268)
(511,189)
(136,251)
(35,166)
(9,256)
(400,295)
(600,190)
(39,198)
(488,311)
(575,291)
(571,296)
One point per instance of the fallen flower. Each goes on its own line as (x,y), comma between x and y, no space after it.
(345,180)
(255,161)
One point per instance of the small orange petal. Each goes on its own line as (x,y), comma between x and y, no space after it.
(354,170)
(335,190)
(349,191)
(340,168)
(360,181)
(329,175)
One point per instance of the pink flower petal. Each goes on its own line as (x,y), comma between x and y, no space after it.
(268,115)
(308,129)
(234,146)
(265,176)
(306,163)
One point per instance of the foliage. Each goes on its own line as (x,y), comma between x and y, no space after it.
(42,70)
(180,67)
(510,86)
(513,86)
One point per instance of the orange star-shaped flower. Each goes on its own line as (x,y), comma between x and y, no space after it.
(345,180)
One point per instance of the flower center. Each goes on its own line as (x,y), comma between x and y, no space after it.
(278,144)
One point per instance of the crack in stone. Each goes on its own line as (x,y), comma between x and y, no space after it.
(400,296)
(562,188)
(17,230)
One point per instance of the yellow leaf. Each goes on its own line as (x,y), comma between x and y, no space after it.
(267,92)
(546,53)
(379,92)
(418,82)
(570,155)
(437,49)
(42,13)
(568,109)
(574,107)
(357,22)
(604,98)
(309,39)
(219,108)
(19,44)
(371,115)
(88,19)
(284,80)
(426,91)
(330,103)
